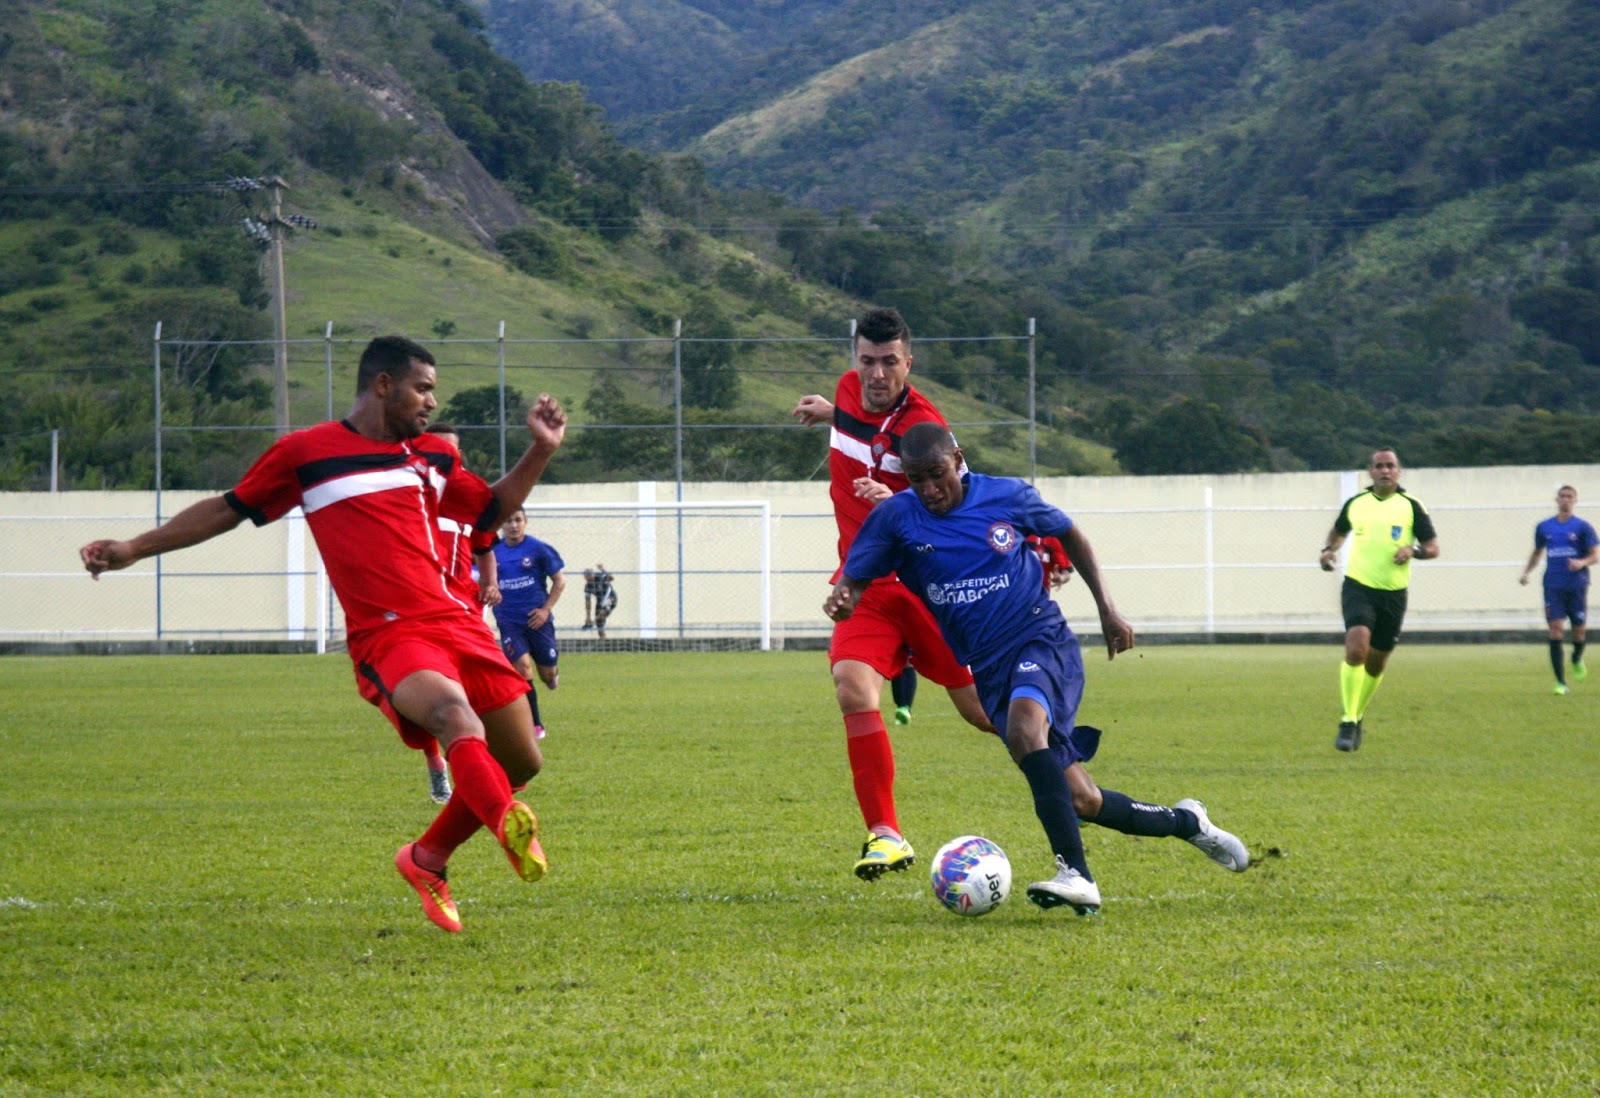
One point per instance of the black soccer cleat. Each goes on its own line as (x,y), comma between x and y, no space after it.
(1349,737)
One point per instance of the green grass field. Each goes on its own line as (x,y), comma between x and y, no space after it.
(198,898)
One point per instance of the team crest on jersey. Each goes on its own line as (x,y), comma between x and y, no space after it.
(1002,537)
(1394,533)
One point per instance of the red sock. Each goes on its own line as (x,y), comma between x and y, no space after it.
(480,783)
(872,764)
(452,827)
(435,757)
(449,830)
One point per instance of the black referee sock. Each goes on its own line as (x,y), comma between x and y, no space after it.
(1120,812)
(1555,661)
(1052,802)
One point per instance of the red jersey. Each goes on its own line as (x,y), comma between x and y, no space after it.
(867,444)
(374,509)
(458,544)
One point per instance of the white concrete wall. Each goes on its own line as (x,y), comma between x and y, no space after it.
(1222,554)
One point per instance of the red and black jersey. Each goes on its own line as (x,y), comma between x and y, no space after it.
(458,544)
(374,509)
(867,444)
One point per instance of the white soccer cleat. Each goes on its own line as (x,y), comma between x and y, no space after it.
(1218,845)
(1067,887)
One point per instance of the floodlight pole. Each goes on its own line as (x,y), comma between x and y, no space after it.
(280,346)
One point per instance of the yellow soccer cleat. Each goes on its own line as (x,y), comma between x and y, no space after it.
(882,854)
(519,838)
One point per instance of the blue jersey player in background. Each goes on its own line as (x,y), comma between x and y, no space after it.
(1569,547)
(959,543)
(530,580)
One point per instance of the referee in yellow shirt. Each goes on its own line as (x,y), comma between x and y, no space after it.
(1388,529)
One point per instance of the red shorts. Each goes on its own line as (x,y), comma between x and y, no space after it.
(462,650)
(890,625)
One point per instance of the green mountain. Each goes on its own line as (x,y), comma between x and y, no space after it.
(449,194)
(1304,225)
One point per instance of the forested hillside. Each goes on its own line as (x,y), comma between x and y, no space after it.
(1288,227)
(448,193)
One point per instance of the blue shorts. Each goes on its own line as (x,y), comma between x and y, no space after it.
(1048,669)
(517,641)
(1566,602)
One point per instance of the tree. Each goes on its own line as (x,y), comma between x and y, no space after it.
(709,377)
(1191,436)
(480,407)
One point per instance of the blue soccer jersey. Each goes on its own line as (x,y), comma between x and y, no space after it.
(1561,542)
(524,577)
(971,566)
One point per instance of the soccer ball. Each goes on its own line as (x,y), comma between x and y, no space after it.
(971,875)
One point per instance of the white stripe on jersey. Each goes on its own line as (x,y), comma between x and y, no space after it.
(856,450)
(361,484)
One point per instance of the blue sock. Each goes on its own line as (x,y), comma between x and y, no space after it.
(1052,801)
(1120,812)
(1555,661)
(904,688)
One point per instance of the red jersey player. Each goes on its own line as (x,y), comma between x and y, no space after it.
(459,543)
(372,490)
(872,407)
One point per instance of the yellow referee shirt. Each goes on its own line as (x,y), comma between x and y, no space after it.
(1374,528)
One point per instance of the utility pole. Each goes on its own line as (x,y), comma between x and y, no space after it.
(269,229)
(280,325)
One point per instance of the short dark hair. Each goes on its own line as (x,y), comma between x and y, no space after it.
(926,441)
(392,355)
(443,429)
(882,326)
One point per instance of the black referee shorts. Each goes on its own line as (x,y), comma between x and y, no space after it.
(1383,612)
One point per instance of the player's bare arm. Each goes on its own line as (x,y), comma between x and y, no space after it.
(488,577)
(1116,629)
(547,426)
(1533,562)
(841,601)
(194,524)
(813,409)
(541,614)
(873,491)
(1330,550)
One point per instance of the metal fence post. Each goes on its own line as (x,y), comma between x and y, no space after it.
(157,357)
(327,363)
(1033,416)
(677,411)
(500,341)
